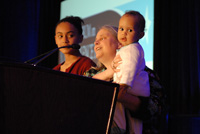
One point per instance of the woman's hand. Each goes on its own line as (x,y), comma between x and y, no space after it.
(106,75)
(115,63)
(129,101)
(122,92)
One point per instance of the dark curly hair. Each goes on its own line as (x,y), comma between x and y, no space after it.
(74,20)
(141,21)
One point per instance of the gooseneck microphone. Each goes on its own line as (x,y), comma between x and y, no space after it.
(47,54)
(74,46)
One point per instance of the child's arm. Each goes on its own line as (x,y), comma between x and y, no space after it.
(130,56)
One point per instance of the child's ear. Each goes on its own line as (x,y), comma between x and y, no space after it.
(141,35)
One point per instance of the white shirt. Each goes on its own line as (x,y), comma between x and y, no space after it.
(131,73)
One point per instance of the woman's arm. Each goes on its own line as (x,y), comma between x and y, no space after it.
(129,101)
(105,75)
(137,105)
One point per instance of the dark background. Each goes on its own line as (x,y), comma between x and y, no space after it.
(27,30)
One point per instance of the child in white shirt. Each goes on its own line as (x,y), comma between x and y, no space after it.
(131,74)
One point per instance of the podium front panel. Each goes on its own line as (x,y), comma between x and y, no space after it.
(36,100)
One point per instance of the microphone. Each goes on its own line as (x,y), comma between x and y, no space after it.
(47,54)
(74,46)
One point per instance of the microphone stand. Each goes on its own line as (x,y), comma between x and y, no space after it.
(47,54)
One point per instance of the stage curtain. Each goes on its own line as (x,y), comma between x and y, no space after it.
(49,16)
(27,29)
(19,29)
(176,53)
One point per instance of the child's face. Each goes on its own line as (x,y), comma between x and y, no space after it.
(128,32)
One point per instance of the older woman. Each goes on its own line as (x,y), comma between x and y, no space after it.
(105,47)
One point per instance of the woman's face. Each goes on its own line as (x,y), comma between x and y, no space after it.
(105,45)
(66,34)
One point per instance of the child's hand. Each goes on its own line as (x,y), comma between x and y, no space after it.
(115,63)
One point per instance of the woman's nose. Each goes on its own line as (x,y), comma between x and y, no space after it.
(96,42)
(65,39)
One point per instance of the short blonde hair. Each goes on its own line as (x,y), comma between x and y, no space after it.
(112,29)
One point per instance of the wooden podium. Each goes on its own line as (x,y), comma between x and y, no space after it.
(36,100)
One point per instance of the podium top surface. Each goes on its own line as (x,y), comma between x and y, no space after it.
(49,70)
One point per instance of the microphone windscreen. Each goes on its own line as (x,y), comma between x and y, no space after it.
(75,46)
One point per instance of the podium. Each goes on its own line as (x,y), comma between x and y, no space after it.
(36,100)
